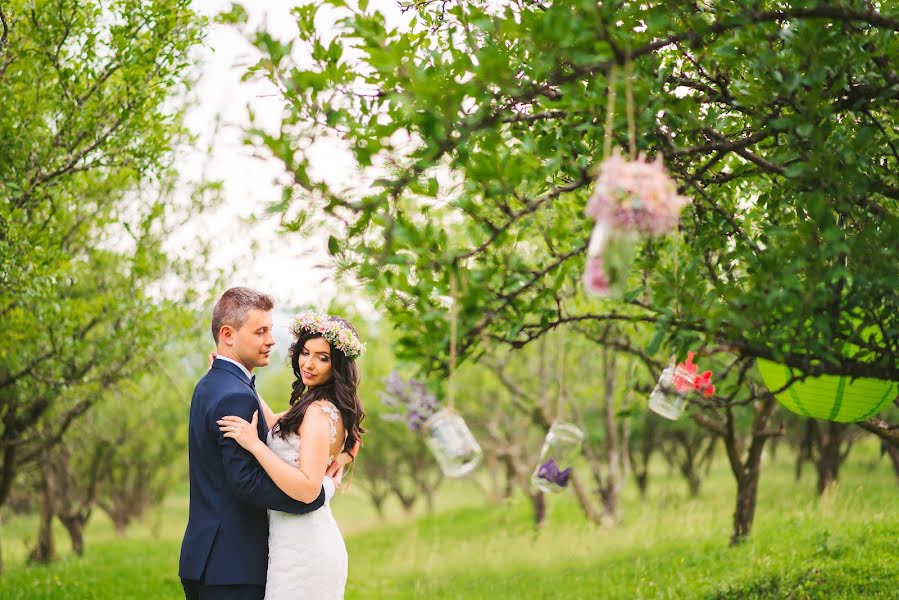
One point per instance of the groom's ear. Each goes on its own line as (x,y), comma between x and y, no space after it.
(226,335)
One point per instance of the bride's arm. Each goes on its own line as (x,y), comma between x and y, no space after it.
(303,483)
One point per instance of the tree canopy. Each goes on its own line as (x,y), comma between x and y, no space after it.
(477,128)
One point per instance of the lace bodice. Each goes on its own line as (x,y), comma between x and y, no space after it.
(288,447)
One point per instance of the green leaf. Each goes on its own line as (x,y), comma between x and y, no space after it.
(333,246)
(795,170)
(804,130)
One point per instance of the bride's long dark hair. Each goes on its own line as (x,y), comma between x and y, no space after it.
(341,390)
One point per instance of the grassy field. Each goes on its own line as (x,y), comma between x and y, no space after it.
(845,545)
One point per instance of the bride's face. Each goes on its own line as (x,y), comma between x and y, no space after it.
(315,362)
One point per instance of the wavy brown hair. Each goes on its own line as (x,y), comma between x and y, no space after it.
(341,390)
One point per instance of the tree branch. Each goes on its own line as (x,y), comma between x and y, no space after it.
(531,207)
(888,433)
(5,37)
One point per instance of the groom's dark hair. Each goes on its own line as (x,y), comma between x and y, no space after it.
(233,306)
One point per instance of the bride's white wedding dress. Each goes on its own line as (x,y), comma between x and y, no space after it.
(307,557)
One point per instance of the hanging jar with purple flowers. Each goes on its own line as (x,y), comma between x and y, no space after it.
(446,434)
(560,448)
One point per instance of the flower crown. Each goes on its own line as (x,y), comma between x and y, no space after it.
(335,332)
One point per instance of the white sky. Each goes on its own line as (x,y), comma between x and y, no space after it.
(288,266)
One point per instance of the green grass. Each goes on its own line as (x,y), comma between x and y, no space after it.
(845,545)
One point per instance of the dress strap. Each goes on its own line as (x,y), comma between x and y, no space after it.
(333,414)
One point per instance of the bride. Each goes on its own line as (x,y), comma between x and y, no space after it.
(307,555)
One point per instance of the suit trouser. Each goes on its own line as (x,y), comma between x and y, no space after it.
(196,590)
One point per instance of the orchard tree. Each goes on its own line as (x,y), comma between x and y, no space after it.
(93,95)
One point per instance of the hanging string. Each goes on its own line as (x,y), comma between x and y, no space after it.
(676,272)
(629,98)
(453,322)
(561,399)
(610,113)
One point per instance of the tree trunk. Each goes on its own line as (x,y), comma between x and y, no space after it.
(75,527)
(511,476)
(746,470)
(830,453)
(583,499)
(805,448)
(7,471)
(642,479)
(639,459)
(121,526)
(747,492)
(45,549)
(119,516)
(611,491)
(694,482)
(491,461)
(893,453)
(378,501)
(407,501)
(538,504)
(688,467)
(7,474)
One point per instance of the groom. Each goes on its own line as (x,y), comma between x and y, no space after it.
(224,554)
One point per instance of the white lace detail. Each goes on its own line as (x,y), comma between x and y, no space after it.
(306,554)
(334,415)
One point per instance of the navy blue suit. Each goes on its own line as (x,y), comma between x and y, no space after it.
(226,541)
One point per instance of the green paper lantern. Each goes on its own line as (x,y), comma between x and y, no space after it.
(829,397)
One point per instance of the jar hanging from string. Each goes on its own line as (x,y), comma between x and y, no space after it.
(446,434)
(669,396)
(633,198)
(561,444)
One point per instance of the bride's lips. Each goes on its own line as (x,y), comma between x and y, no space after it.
(308,375)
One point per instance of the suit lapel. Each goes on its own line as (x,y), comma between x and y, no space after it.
(261,426)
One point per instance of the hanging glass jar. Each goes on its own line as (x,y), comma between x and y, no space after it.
(560,447)
(451,443)
(669,396)
(610,253)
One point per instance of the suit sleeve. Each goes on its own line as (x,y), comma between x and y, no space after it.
(247,479)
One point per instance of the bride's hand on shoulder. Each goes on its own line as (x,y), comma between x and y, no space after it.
(241,431)
(212,356)
(343,459)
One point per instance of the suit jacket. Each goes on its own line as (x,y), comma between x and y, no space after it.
(227,528)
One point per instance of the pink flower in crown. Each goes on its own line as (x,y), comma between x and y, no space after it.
(335,332)
(635,195)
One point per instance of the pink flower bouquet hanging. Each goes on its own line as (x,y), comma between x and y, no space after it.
(632,198)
